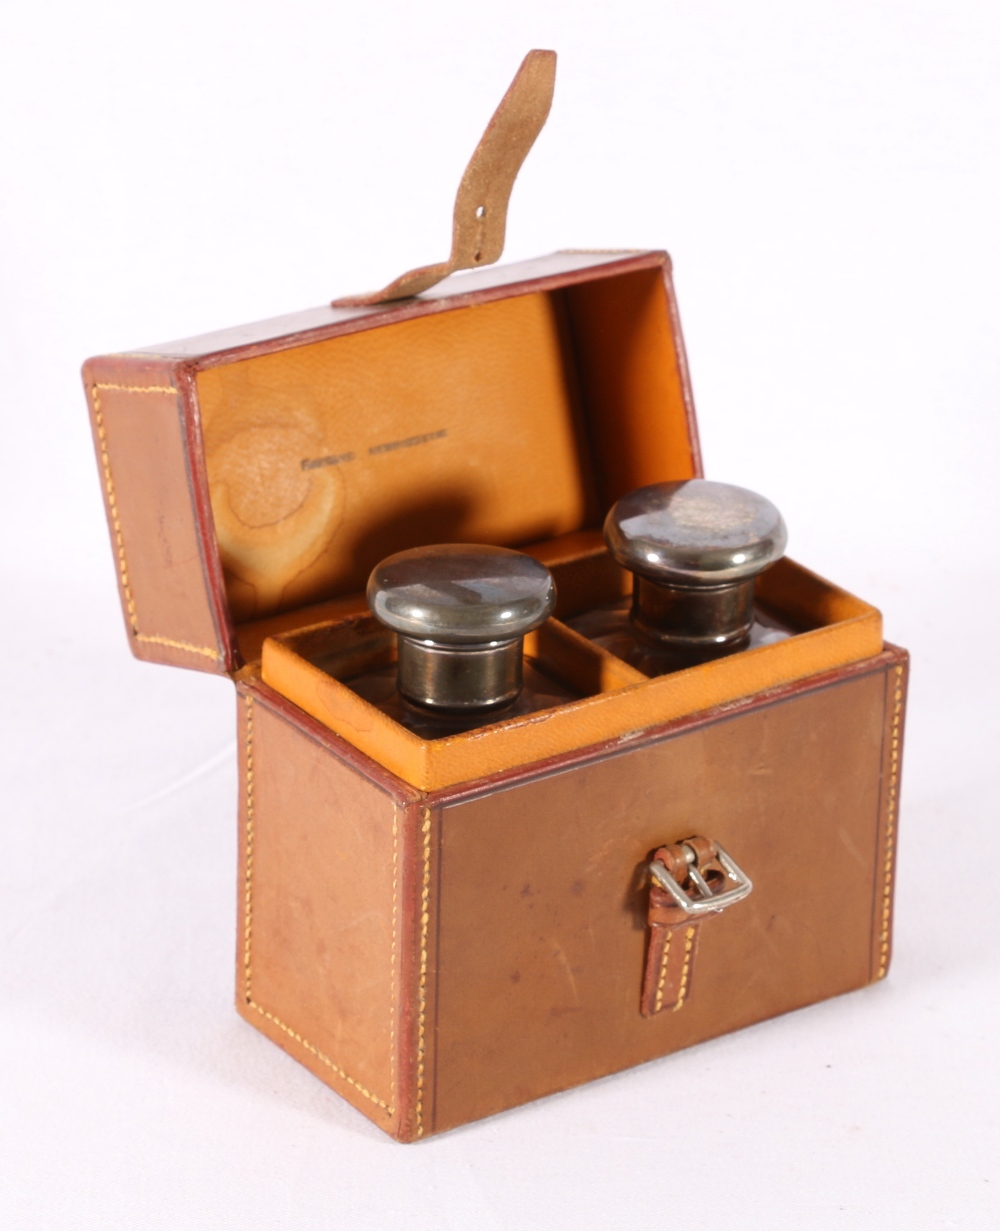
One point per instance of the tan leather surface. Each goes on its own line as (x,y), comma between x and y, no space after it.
(326,948)
(480,215)
(138,426)
(547,876)
(618,699)
(323,459)
(547,872)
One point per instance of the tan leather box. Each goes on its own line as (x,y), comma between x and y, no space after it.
(441,929)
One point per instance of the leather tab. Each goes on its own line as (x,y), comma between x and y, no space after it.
(673,934)
(669,962)
(480,218)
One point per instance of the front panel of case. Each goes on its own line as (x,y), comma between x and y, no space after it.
(542,893)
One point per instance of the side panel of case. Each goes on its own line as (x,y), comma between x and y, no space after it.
(330,885)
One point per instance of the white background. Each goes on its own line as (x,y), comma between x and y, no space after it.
(826,178)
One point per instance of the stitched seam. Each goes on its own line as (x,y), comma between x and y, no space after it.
(392,1008)
(248,933)
(890,827)
(688,946)
(248,859)
(138,388)
(292,1034)
(178,645)
(663,971)
(109,487)
(425,894)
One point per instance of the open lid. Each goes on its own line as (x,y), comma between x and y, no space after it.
(252,474)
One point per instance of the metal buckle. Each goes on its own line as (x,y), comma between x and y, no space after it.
(707,903)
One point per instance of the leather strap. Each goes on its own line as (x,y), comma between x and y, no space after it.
(673,934)
(480,217)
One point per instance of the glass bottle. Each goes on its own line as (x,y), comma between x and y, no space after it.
(694,549)
(460,613)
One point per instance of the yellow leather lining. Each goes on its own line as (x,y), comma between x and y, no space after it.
(513,422)
(632,382)
(323,459)
(845,630)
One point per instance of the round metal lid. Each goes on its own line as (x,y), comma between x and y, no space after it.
(461,594)
(695,533)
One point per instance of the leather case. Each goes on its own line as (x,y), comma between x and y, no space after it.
(441,930)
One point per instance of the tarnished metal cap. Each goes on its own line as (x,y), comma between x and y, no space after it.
(695,533)
(459,594)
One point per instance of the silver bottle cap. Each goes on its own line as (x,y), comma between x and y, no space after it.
(460,612)
(695,533)
(461,594)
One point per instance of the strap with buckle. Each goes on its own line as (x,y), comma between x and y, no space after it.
(688,880)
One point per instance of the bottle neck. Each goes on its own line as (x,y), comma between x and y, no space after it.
(468,679)
(700,621)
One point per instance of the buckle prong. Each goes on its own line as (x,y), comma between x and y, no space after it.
(703,886)
(707,902)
